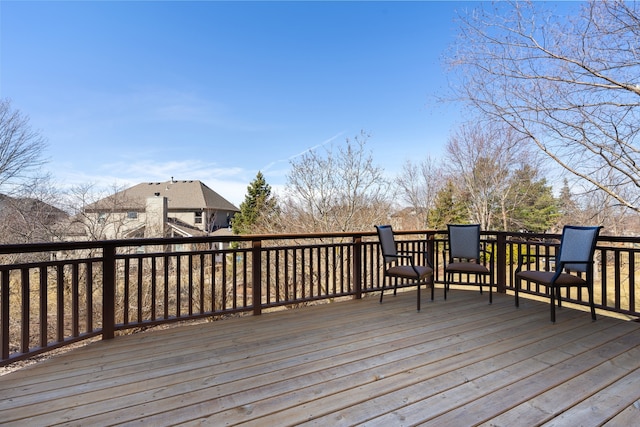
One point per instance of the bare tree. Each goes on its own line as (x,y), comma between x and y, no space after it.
(333,190)
(30,214)
(21,148)
(482,159)
(569,84)
(418,184)
(27,197)
(598,207)
(96,212)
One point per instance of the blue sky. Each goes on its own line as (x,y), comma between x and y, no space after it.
(129,92)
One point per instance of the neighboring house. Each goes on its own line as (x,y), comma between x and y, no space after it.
(156,209)
(409,219)
(28,220)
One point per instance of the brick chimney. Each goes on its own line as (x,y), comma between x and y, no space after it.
(156,216)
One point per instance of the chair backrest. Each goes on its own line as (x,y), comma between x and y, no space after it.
(578,244)
(387,242)
(464,241)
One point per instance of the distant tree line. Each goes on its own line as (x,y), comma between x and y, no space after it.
(485,177)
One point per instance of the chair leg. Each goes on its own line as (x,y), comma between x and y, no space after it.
(591,303)
(418,295)
(553,305)
(446,284)
(490,290)
(381,293)
(516,292)
(483,282)
(433,288)
(559,298)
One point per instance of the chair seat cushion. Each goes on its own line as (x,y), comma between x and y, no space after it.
(544,278)
(408,272)
(466,267)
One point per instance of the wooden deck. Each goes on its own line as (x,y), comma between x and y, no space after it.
(458,362)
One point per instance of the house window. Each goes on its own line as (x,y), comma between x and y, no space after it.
(132,215)
(198,218)
(102,217)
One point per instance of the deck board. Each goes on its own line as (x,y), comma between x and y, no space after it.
(456,362)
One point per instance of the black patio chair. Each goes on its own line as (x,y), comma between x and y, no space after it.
(575,259)
(400,266)
(464,257)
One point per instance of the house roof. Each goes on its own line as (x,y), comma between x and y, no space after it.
(192,194)
(31,206)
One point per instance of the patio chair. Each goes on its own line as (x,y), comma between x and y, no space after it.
(464,257)
(400,266)
(575,259)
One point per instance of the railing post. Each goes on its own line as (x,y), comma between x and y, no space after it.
(501,262)
(256,276)
(108,291)
(357,267)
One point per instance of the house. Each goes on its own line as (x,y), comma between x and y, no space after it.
(409,219)
(27,220)
(157,209)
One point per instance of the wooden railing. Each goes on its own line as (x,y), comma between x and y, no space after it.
(52,295)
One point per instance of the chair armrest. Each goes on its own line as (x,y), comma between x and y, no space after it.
(400,256)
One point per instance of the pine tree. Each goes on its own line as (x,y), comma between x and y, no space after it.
(449,208)
(537,210)
(569,209)
(258,210)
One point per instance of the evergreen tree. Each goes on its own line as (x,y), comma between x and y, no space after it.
(258,211)
(569,209)
(449,208)
(537,210)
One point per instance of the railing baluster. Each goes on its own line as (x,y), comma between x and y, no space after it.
(44,324)
(190,284)
(166,260)
(26,310)
(140,289)
(616,279)
(4,313)
(75,300)
(202,289)
(603,277)
(154,286)
(125,308)
(632,281)
(234,280)
(89,293)
(178,279)
(357,266)
(215,289)
(286,274)
(267,270)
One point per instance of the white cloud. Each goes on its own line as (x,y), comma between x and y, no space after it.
(290,158)
(230,182)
